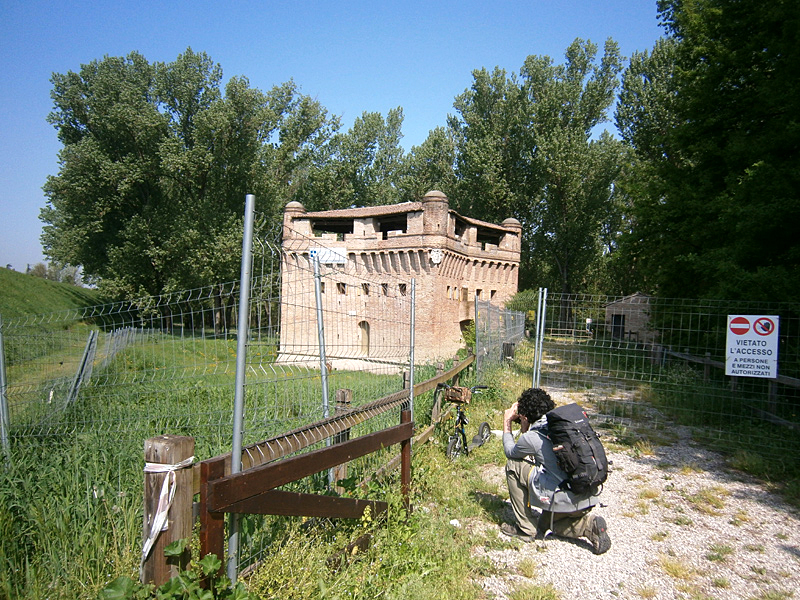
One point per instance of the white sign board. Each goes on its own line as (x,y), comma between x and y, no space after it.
(330,256)
(752,343)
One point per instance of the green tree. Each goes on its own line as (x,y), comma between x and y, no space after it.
(429,166)
(156,163)
(493,132)
(726,171)
(526,149)
(360,167)
(646,119)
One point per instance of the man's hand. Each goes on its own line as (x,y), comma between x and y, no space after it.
(510,415)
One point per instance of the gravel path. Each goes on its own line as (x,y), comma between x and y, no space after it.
(682,525)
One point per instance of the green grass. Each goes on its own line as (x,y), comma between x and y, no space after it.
(70,516)
(408,557)
(77,483)
(25,295)
(720,418)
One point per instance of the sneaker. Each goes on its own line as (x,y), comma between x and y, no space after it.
(598,536)
(514,531)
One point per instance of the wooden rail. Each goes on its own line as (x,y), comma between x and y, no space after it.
(253,491)
(308,435)
(265,466)
(767,415)
(709,362)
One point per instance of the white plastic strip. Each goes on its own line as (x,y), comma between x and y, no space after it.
(160,522)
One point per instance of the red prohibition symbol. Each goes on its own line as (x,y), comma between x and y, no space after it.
(740,326)
(763,326)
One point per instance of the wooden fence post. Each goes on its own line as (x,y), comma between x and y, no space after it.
(772,396)
(405,464)
(344,398)
(212,524)
(167,457)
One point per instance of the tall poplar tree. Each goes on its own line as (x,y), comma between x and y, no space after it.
(720,134)
(526,149)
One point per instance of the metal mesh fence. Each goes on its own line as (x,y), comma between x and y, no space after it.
(166,364)
(497,331)
(85,388)
(663,360)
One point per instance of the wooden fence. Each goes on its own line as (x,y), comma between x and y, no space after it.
(266,466)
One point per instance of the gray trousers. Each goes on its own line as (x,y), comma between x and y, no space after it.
(566,524)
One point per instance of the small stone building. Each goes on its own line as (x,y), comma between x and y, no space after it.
(629,318)
(451,257)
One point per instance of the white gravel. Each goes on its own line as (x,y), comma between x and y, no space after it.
(664,536)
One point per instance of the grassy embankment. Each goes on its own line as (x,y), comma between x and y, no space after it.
(22,295)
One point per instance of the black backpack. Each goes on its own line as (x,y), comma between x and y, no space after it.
(577,448)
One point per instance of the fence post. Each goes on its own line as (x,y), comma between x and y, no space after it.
(4,420)
(478,339)
(167,504)
(541,308)
(242,342)
(412,343)
(344,398)
(212,524)
(405,464)
(772,396)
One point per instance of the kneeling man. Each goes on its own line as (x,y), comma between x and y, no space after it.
(534,477)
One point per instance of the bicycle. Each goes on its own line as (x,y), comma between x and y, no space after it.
(457,440)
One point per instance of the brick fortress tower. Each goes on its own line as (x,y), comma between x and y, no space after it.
(452,258)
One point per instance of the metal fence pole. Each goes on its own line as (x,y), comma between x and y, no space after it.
(323,364)
(323,367)
(411,346)
(4,421)
(540,321)
(242,333)
(478,362)
(84,368)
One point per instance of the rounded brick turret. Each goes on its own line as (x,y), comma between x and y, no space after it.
(436,208)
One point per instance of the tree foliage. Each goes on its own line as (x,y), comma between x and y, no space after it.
(156,163)
(525,148)
(429,166)
(713,116)
(360,167)
(697,198)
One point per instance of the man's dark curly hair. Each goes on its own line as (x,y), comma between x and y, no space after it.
(533,403)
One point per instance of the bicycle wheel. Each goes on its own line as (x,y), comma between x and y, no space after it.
(455,447)
(484,432)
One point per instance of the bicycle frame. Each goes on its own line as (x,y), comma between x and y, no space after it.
(457,440)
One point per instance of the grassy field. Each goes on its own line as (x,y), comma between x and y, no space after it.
(24,295)
(71,509)
(71,488)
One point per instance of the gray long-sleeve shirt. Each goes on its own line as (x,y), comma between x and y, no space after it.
(545,475)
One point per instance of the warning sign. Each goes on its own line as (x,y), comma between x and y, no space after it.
(752,343)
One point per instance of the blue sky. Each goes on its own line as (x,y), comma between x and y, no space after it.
(353,56)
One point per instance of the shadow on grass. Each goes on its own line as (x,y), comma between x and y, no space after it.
(495,506)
